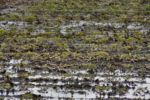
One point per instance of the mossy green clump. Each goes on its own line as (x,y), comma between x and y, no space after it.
(27,96)
(5,85)
(3,46)
(30,18)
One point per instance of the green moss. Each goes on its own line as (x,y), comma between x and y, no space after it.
(5,85)
(27,96)
(30,18)
(3,46)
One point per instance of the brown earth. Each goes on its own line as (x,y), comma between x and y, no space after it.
(14,3)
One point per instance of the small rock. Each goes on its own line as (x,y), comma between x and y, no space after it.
(148,67)
(37,67)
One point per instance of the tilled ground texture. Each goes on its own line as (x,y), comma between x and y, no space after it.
(14,3)
(11,3)
(75,49)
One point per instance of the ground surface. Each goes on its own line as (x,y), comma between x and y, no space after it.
(75,49)
(11,3)
(15,3)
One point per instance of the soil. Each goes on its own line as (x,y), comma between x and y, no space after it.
(73,50)
(14,3)
(11,3)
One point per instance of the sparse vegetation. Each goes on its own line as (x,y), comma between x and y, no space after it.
(66,46)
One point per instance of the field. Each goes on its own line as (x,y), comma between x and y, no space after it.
(75,49)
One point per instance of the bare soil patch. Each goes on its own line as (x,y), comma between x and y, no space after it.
(13,3)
